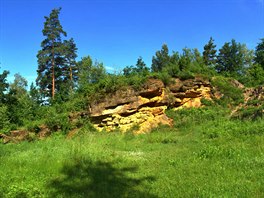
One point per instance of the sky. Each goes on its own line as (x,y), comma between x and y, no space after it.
(117,32)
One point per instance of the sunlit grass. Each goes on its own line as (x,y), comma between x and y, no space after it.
(206,154)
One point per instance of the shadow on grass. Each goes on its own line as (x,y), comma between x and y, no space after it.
(86,178)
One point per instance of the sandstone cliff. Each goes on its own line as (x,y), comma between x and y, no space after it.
(145,109)
(140,110)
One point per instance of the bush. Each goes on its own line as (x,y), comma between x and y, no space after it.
(231,94)
(163,76)
(184,75)
(136,80)
(56,119)
(4,119)
(34,126)
(250,112)
(184,118)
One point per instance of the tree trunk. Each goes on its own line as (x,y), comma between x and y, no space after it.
(71,73)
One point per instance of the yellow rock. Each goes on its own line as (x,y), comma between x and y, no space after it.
(147,113)
(107,119)
(113,111)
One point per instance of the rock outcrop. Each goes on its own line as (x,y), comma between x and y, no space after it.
(253,105)
(145,109)
(256,94)
(136,110)
(16,136)
(20,135)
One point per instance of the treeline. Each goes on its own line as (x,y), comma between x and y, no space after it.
(64,85)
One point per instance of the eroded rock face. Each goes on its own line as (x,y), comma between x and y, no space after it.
(146,108)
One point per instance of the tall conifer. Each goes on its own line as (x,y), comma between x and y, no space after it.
(50,57)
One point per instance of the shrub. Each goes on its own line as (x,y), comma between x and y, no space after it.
(184,75)
(163,76)
(231,93)
(56,119)
(33,126)
(250,112)
(4,119)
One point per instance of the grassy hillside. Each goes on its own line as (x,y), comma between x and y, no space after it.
(205,154)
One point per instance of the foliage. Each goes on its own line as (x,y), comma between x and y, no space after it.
(232,95)
(209,53)
(56,60)
(3,85)
(254,75)
(250,112)
(4,118)
(90,72)
(233,58)
(161,60)
(71,69)
(259,53)
(56,118)
(139,69)
(163,76)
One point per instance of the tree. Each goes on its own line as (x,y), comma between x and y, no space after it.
(209,53)
(173,67)
(71,70)
(161,60)
(3,85)
(19,86)
(254,75)
(186,59)
(4,116)
(18,101)
(141,66)
(198,65)
(35,94)
(232,59)
(259,53)
(50,57)
(89,72)
(129,70)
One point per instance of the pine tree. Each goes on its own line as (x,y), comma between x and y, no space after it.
(161,60)
(233,58)
(186,59)
(50,57)
(70,66)
(259,53)
(3,86)
(209,53)
(141,66)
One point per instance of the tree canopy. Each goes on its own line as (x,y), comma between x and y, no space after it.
(56,59)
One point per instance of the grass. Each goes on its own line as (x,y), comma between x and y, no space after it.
(206,154)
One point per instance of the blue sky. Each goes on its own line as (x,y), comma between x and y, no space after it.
(117,32)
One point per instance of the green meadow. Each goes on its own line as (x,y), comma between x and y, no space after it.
(205,154)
